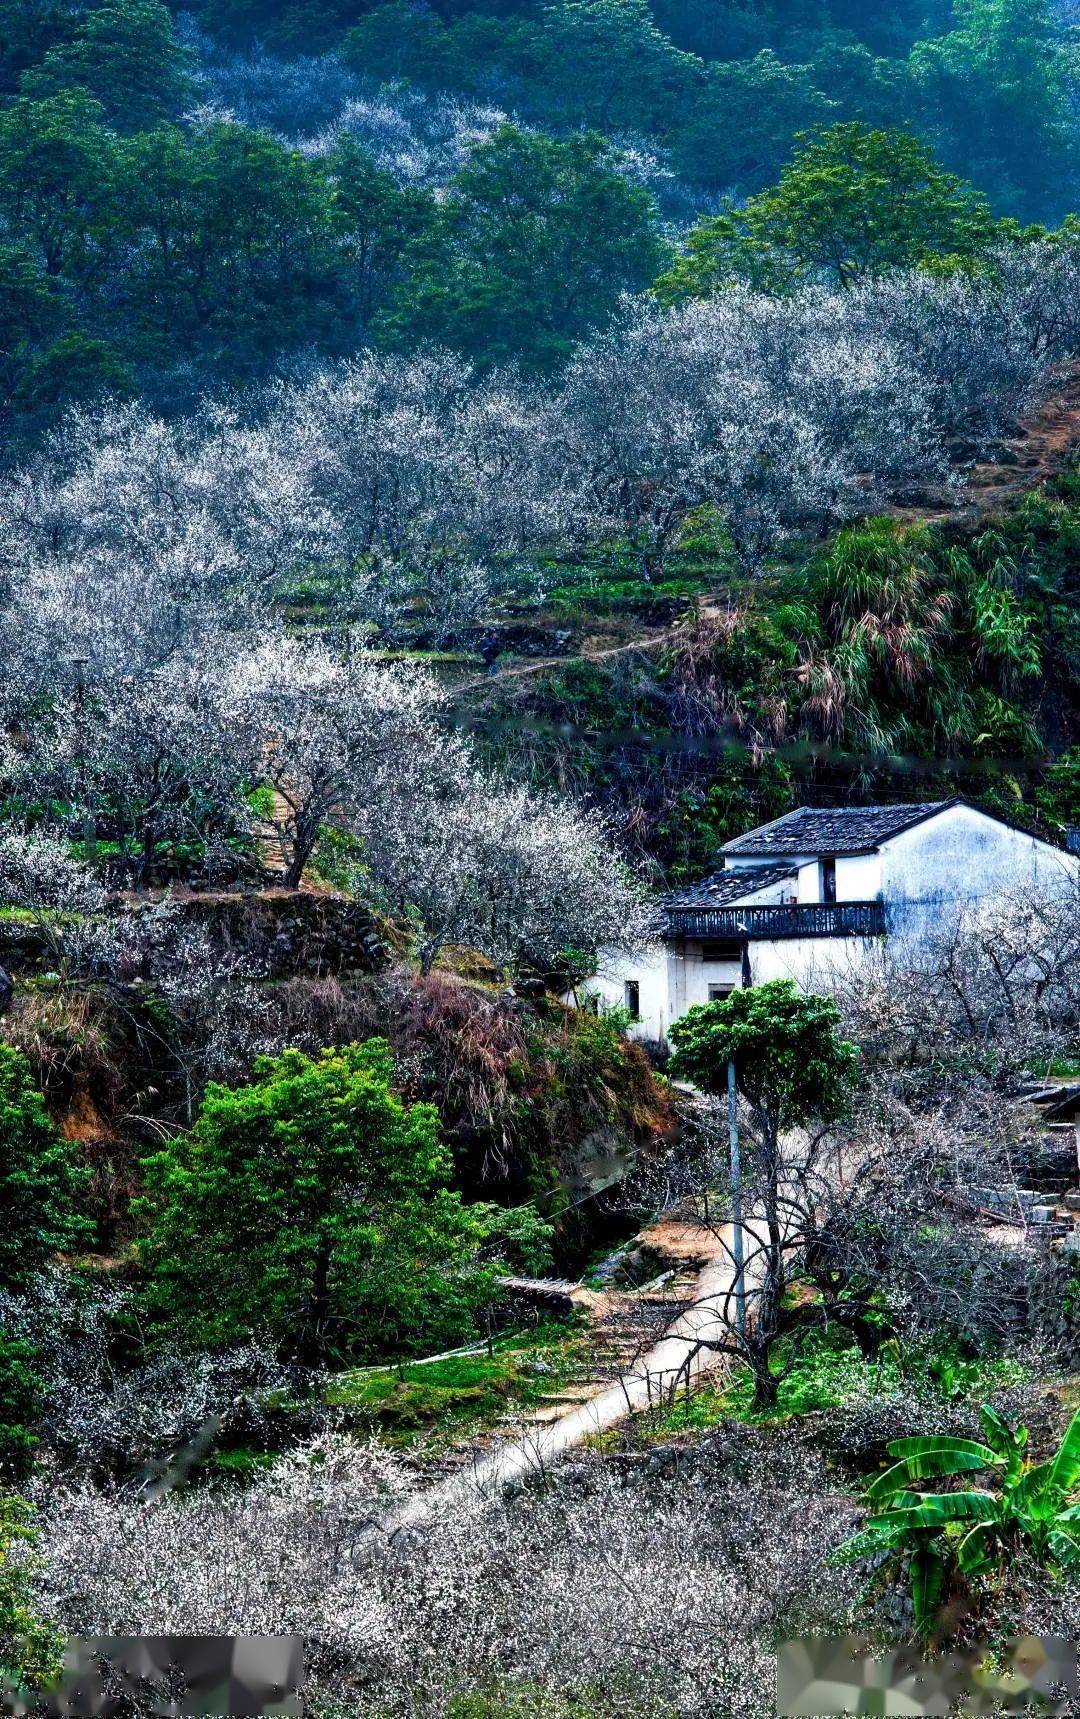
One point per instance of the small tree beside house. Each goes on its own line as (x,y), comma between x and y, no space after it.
(793,1071)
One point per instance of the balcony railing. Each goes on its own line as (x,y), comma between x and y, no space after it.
(818,919)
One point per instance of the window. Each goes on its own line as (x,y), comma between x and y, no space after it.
(720,951)
(828,879)
(632,999)
(717,993)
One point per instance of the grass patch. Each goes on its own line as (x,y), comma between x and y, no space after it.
(831,1372)
(460,1395)
(242,1463)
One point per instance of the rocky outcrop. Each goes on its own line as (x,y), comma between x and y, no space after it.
(293,933)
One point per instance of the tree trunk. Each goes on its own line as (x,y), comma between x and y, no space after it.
(294,871)
(7,988)
(312,1345)
(765,1385)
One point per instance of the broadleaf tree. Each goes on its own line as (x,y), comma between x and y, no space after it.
(794,1072)
(313,1206)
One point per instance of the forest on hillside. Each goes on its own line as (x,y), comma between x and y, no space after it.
(460,465)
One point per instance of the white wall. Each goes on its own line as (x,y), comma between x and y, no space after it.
(961,856)
(650,967)
(858,877)
(809,889)
(692,975)
(815,963)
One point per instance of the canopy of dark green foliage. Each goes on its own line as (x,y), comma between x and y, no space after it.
(790,1061)
(20,1399)
(144,251)
(41,1179)
(529,251)
(219,243)
(729,88)
(313,1205)
(124,54)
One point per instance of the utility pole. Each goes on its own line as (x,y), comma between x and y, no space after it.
(736,1200)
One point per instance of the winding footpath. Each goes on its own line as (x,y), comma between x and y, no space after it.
(679,1360)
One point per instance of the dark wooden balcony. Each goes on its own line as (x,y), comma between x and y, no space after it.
(749,924)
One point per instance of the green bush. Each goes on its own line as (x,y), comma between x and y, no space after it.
(29,1646)
(20,1391)
(313,1205)
(40,1178)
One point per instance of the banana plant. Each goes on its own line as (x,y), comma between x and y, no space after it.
(972,1529)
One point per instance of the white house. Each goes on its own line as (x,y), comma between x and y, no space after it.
(815,891)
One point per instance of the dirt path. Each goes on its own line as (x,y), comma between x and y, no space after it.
(541,665)
(679,1360)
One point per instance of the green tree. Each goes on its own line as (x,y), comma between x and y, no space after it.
(791,1065)
(607,65)
(29,1646)
(742,127)
(125,55)
(397,40)
(59,188)
(30,308)
(314,1204)
(1058,799)
(77,368)
(20,1399)
(996,90)
(856,203)
(852,205)
(372,220)
(860,85)
(238,251)
(793,1071)
(533,245)
(40,1178)
(28,29)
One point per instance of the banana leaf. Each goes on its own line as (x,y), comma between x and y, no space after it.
(864,1544)
(927,1588)
(1000,1434)
(1065,1548)
(903,1448)
(1065,1466)
(1035,1482)
(939,1456)
(937,1509)
(973,1552)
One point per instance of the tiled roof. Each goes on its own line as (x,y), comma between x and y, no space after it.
(725,887)
(833,829)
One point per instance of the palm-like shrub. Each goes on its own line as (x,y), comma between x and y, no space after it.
(972,1530)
